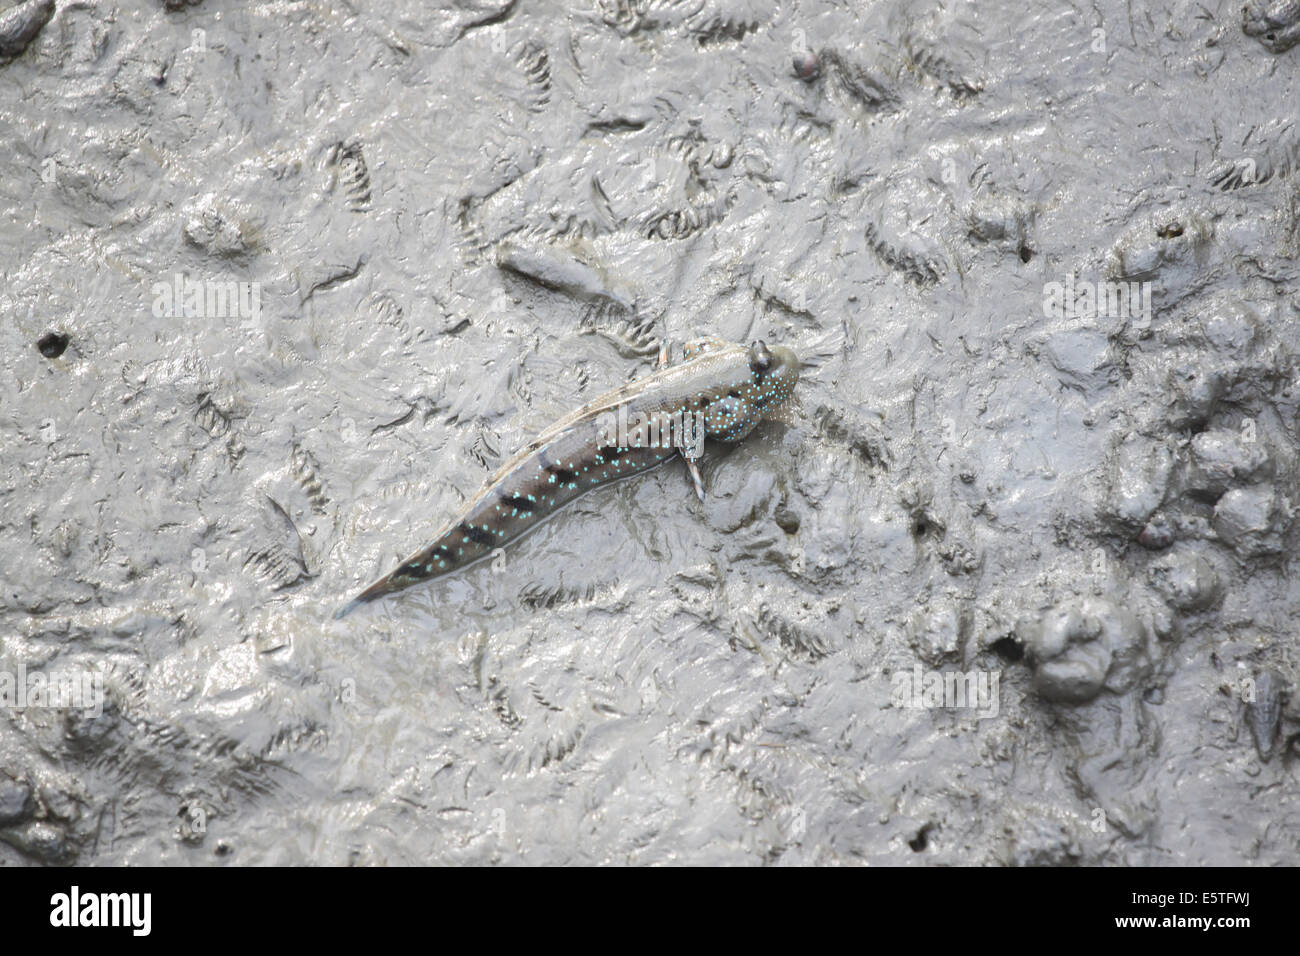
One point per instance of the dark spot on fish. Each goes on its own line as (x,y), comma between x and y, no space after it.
(477,535)
(562,475)
(412,569)
(442,553)
(519,502)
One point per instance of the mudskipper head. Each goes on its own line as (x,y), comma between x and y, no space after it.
(773,374)
(767,382)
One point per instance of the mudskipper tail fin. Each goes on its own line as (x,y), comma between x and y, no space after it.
(385,585)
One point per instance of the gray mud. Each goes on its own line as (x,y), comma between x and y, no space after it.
(461,220)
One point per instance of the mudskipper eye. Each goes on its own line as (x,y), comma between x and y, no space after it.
(760,359)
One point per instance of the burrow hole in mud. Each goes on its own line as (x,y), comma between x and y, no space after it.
(1007,649)
(786,520)
(919,842)
(924,526)
(1026,254)
(53,344)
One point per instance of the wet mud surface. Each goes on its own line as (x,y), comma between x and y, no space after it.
(1041,267)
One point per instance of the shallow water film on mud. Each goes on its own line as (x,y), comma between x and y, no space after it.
(1009,579)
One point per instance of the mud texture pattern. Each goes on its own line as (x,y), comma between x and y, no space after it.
(1012,583)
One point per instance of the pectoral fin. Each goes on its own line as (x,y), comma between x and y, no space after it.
(693,466)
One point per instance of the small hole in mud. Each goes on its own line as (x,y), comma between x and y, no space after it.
(919,842)
(787,520)
(1172,231)
(222,849)
(1007,649)
(921,526)
(52,344)
(1026,253)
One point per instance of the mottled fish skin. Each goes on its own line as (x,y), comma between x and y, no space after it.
(1274,23)
(732,386)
